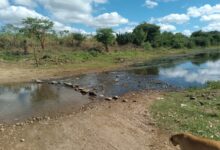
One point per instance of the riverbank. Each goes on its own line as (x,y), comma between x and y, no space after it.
(194,110)
(22,69)
(125,124)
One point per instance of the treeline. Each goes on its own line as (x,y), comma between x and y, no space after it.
(40,32)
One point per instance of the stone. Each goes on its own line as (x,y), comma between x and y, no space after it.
(76,86)
(115,97)
(125,100)
(192,98)
(22,140)
(183,105)
(68,84)
(108,98)
(84,91)
(101,96)
(38,81)
(54,82)
(91,93)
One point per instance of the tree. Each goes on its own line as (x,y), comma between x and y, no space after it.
(201,38)
(125,38)
(152,31)
(179,41)
(139,36)
(105,36)
(38,28)
(166,39)
(79,38)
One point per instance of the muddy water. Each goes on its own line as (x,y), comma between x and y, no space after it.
(21,101)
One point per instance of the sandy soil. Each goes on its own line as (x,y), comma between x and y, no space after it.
(12,73)
(114,125)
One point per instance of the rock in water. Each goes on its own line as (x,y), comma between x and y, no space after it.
(91,93)
(38,81)
(115,97)
(68,84)
(108,98)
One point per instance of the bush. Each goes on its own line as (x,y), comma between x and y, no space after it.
(94,51)
(147,46)
(125,38)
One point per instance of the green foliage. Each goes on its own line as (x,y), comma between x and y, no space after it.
(180,113)
(179,41)
(79,38)
(125,38)
(139,36)
(37,28)
(105,36)
(213,85)
(147,46)
(151,31)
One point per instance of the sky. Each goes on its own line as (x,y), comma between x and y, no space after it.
(86,16)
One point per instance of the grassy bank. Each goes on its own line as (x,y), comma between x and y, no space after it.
(90,59)
(196,111)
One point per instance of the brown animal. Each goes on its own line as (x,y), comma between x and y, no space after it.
(190,142)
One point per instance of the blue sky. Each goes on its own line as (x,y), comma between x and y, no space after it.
(86,16)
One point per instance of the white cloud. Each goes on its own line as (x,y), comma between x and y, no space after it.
(167,27)
(4,3)
(28,3)
(61,27)
(150,4)
(80,11)
(127,29)
(174,18)
(204,10)
(215,26)
(187,32)
(108,20)
(171,18)
(15,14)
(211,18)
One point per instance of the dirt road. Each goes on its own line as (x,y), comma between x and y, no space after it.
(103,125)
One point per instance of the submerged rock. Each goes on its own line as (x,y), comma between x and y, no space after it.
(38,81)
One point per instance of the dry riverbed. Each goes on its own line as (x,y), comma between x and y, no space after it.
(125,124)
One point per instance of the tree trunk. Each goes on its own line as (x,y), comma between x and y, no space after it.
(106,48)
(35,57)
(25,46)
(42,43)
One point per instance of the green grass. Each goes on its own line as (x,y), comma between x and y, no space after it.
(91,60)
(179,113)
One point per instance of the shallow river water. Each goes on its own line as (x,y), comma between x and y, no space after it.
(21,101)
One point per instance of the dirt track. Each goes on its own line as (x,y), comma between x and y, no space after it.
(104,125)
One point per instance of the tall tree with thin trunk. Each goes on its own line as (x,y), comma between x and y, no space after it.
(37,28)
(106,37)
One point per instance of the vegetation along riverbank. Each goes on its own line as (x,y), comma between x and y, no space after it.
(194,110)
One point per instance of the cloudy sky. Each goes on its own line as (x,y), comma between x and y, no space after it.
(183,16)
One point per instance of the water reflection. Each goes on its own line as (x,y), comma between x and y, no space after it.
(27,100)
(192,74)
